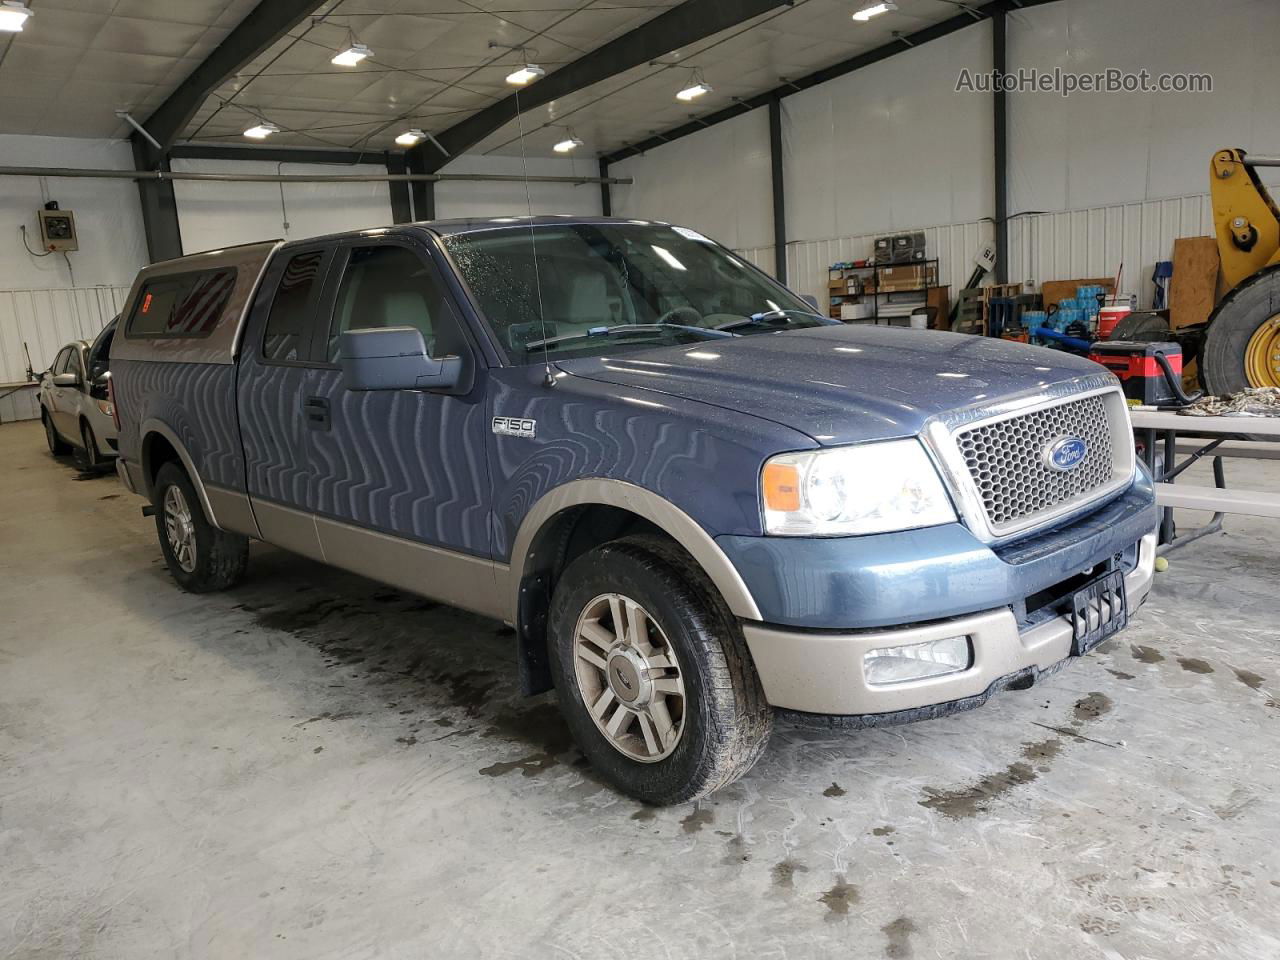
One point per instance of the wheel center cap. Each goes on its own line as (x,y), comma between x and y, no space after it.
(627,677)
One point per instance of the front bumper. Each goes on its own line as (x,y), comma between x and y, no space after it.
(822,672)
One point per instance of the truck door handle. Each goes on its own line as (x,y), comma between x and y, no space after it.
(317,411)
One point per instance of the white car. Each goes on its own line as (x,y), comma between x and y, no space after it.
(74,401)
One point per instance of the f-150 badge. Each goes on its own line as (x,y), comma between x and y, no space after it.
(514,427)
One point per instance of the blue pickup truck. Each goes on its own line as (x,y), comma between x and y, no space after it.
(698,503)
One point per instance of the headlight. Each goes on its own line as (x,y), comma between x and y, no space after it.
(105,407)
(869,488)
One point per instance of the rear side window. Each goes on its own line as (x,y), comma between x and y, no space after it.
(289,322)
(182,304)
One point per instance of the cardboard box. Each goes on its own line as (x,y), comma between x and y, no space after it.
(1055,291)
(1194,287)
(902,278)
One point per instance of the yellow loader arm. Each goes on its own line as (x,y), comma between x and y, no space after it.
(1245,217)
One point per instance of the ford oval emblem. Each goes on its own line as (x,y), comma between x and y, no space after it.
(1065,454)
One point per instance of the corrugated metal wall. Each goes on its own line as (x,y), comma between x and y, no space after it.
(1049,246)
(954,245)
(1094,242)
(45,320)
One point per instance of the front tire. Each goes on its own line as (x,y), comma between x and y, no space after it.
(652,673)
(90,459)
(201,557)
(57,446)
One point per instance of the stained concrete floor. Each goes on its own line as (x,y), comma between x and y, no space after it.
(315,766)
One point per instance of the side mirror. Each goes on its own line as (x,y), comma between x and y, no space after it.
(66,380)
(394,358)
(810,299)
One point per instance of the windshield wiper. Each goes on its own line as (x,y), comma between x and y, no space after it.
(769,318)
(704,333)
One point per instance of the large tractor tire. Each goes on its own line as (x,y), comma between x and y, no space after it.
(1242,347)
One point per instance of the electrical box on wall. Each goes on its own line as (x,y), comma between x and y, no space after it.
(57,230)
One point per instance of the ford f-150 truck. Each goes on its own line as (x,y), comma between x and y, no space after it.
(697,502)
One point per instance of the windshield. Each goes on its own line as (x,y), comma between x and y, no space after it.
(609,287)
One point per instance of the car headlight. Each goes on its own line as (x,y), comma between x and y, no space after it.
(105,407)
(868,488)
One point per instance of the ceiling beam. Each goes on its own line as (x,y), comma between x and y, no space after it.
(203,151)
(678,27)
(899,44)
(264,25)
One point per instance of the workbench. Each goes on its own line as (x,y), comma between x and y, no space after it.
(1193,438)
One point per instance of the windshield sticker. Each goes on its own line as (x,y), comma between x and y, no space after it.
(690,234)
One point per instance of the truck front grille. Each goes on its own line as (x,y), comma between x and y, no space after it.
(1009,463)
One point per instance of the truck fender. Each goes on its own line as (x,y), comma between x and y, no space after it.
(159,427)
(644,503)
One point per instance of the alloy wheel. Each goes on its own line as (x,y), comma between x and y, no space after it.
(180,528)
(629,678)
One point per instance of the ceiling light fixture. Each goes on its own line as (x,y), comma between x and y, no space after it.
(261,130)
(874,10)
(525,75)
(13,14)
(567,144)
(352,54)
(411,138)
(696,87)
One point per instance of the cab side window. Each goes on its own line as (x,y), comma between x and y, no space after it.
(391,286)
(289,322)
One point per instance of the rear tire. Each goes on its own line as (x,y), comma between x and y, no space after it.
(704,737)
(1224,361)
(57,446)
(202,558)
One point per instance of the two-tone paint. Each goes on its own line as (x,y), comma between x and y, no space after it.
(420,490)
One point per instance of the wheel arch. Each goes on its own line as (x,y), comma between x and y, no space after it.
(160,444)
(547,539)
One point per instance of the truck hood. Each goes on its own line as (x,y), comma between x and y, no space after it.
(844,384)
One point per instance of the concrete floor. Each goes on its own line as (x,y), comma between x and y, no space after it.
(315,766)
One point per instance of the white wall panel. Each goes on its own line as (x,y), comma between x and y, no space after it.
(108,218)
(762,257)
(953,245)
(717,181)
(1099,149)
(45,321)
(891,146)
(507,199)
(1094,242)
(221,214)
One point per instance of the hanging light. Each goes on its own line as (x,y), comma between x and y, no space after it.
(696,88)
(568,143)
(352,54)
(13,14)
(525,75)
(411,138)
(261,130)
(874,10)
